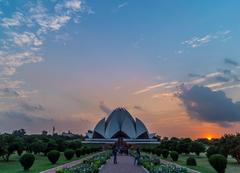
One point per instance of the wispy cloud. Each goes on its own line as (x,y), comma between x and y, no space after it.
(104,107)
(15,20)
(24,33)
(195,42)
(9,62)
(221,79)
(230,62)
(124,4)
(152,87)
(26,39)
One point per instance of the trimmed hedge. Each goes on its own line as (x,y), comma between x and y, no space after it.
(191,161)
(53,156)
(218,162)
(27,160)
(69,153)
(174,156)
(79,152)
(165,153)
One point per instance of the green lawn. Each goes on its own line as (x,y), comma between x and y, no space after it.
(41,163)
(204,166)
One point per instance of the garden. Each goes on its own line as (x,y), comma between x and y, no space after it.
(35,153)
(20,152)
(207,156)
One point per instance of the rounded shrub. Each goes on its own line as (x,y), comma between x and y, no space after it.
(69,153)
(165,153)
(191,161)
(174,156)
(27,160)
(53,156)
(212,150)
(79,152)
(158,151)
(218,162)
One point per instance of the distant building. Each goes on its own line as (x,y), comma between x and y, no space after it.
(120,124)
(68,134)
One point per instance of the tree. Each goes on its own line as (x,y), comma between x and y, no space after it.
(197,147)
(38,147)
(19,133)
(184,146)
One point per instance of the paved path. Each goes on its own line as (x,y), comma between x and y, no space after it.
(125,165)
(68,165)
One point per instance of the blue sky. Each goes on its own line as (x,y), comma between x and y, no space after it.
(61,62)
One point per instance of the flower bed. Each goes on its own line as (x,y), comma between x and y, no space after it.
(153,165)
(91,165)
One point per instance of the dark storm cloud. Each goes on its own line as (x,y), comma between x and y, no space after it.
(104,108)
(32,107)
(230,62)
(211,106)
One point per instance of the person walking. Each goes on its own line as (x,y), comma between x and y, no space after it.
(137,157)
(114,152)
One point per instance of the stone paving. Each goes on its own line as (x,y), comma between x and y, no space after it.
(125,165)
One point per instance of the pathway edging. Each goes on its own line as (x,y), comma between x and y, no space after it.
(168,162)
(69,164)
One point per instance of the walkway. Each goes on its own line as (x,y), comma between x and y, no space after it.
(125,165)
(68,165)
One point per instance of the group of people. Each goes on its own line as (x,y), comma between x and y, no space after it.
(116,150)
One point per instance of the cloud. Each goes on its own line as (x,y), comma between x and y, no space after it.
(15,20)
(195,42)
(104,108)
(159,85)
(206,105)
(26,39)
(73,4)
(194,75)
(9,93)
(230,62)
(10,119)
(124,4)
(31,107)
(9,62)
(138,108)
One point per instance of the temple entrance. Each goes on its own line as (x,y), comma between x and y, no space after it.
(122,146)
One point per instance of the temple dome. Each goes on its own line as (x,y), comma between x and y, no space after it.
(120,123)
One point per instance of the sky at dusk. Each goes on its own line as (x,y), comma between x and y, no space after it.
(174,64)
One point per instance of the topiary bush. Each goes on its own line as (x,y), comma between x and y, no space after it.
(69,153)
(212,150)
(79,152)
(174,156)
(218,162)
(165,153)
(158,151)
(53,156)
(27,160)
(191,161)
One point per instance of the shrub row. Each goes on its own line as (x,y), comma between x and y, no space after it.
(53,156)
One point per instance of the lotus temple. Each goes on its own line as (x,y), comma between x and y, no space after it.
(120,124)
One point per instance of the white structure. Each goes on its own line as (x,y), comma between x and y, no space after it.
(120,124)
